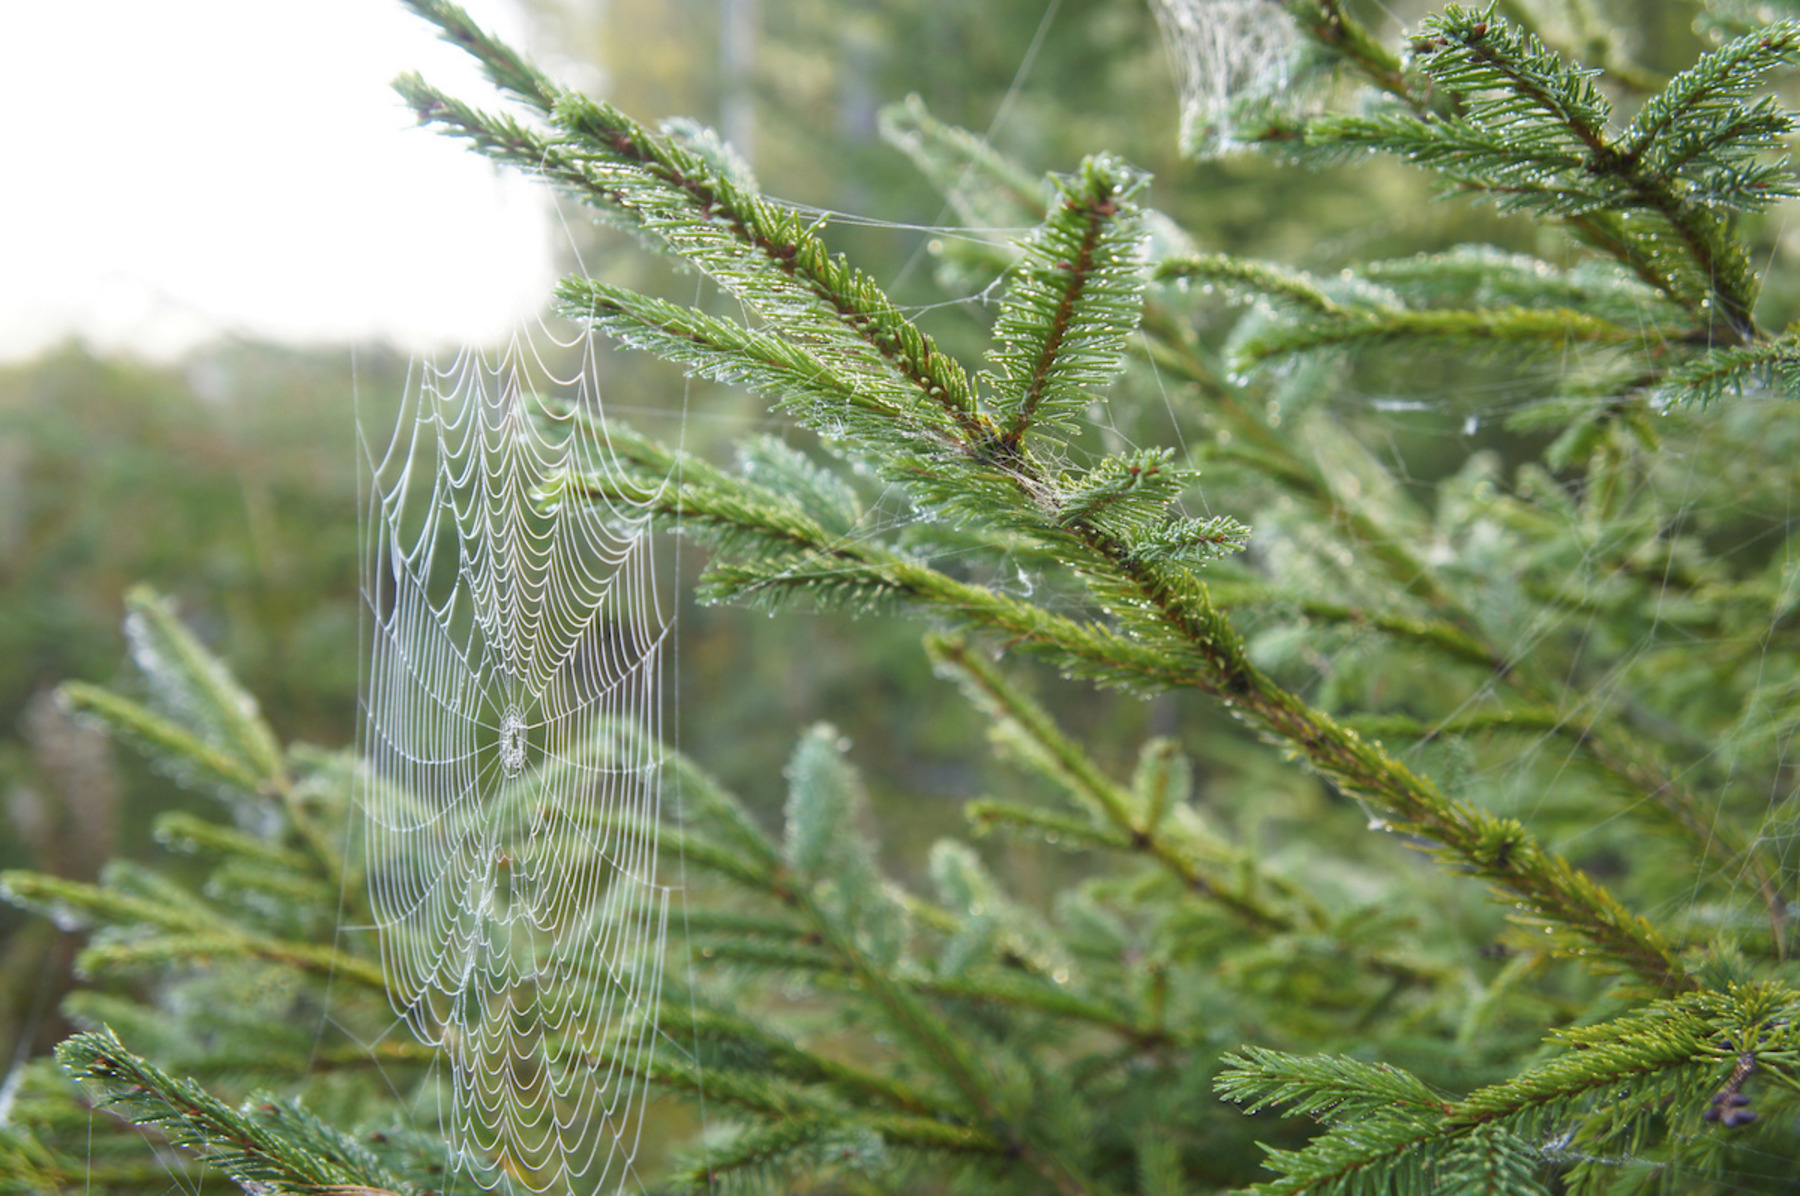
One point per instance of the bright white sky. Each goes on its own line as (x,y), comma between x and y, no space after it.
(186,168)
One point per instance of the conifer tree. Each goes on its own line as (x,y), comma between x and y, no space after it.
(1534,933)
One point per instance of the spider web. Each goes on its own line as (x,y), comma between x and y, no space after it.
(1236,67)
(512,786)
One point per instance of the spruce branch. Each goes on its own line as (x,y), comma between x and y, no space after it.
(1772,365)
(782,271)
(956,1063)
(1171,636)
(1309,316)
(1119,820)
(171,949)
(1125,490)
(826,496)
(499,137)
(1326,1087)
(1613,747)
(1491,1160)
(1700,124)
(1328,23)
(1068,830)
(1531,133)
(825,882)
(198,689)
(186,833)
(771,260)
(1483,276)
(76,903)
(1543,330)
(1293,288)
(505,67)
(188,929)
(964,1071)
(797,380)
(1178,615)
(186,753)
(746,1089)
(756,1047)
(985,189)
(1618,1081)
(928,456)
(246,1144)
(1012,991)
(990,926)
(1071,303)
(1032,732)
(768,258)
(199,725)
(728,926)
(1517,81)
(799,1146)
(754,1160)
(1440,636)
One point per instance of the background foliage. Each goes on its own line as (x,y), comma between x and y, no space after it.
(230,486)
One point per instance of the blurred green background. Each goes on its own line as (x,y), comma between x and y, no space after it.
(229,480)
